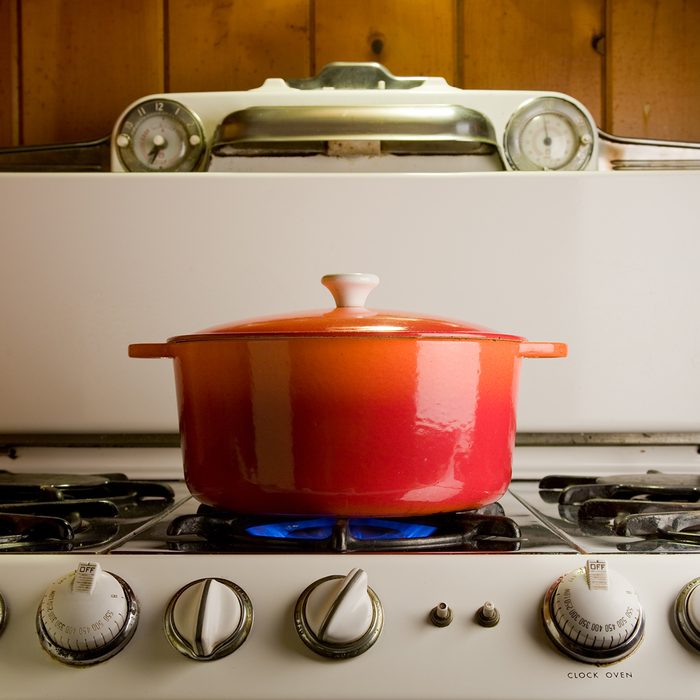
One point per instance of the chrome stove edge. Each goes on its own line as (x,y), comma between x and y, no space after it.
(158,456)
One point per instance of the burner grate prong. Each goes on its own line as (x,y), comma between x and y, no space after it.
(19,529)
(681,526)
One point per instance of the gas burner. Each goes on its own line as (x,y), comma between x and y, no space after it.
(117,488)
(48,512)
(485,529)
(656,506)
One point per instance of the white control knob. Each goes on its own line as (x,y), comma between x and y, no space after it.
(208,619)
(86,616)
(339,616)
(593,614)
(688,612)
(3,614)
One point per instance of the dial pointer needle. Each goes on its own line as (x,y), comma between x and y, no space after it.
(547,139)
(158,144)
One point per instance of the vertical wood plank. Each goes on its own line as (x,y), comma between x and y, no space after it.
(83,61)
(407,36)
(653,68)
(9,88)
(534,44)
(215,45)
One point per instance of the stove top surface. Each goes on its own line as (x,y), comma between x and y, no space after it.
(461,606)
(101,513)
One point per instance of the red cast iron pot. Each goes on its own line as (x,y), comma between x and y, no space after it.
(347,412)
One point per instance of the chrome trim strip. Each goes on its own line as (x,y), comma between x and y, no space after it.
(617,153)
(605,439)
(13,441)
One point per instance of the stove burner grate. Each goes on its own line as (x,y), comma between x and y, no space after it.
(486,529)
(655,506)
(42,512)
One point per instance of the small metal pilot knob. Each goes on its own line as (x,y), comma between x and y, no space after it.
(441,615)
(487,615)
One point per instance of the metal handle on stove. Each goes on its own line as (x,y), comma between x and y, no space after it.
(412,128)
(350,75)
(625,153)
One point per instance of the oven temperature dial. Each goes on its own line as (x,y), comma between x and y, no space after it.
(86,616)
(339,616)
(593,614)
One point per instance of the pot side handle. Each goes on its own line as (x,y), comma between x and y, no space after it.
(528,349)
(150,350)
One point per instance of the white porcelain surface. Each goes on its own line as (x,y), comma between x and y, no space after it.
(605,262)
(412,659)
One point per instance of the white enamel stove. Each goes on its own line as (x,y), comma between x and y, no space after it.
(562,614)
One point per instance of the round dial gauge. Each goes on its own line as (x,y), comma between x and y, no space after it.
(86,616)
(593,615)
(160,136)
(549,133)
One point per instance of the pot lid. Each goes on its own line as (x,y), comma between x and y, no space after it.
(350,317)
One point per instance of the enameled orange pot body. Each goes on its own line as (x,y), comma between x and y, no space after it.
(347,412)
(348,426)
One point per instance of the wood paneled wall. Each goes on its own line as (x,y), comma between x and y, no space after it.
(68,67)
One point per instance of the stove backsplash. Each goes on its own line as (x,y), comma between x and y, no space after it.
(604,262)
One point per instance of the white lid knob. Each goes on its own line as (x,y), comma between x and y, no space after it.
(350,289)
